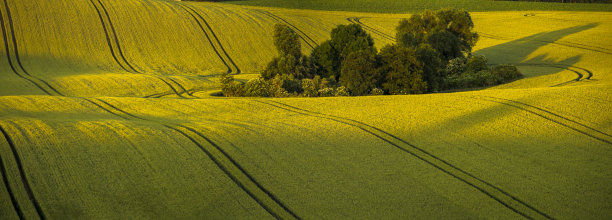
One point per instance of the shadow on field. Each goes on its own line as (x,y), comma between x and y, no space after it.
(517,51)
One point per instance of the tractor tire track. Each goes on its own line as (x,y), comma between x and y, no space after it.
(8,31)
(562,43)
(307,39)
(195,15)
(552,117)
(24,178)
(9,190)
(579,71)
(504,198)
(222,160)
(112,41)
(357,20)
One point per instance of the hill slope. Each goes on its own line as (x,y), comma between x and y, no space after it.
(116,121)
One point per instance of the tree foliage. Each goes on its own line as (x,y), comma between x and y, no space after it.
(287,42)
(403,71)
(433,53)
(359,73)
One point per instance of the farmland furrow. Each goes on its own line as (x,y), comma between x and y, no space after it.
(9,190)
(307,39)
(216,43)
(24,178)
(504,198)
(560,120)
(108,27)
(562,43)
(21,71)
(357,20)
(221,158)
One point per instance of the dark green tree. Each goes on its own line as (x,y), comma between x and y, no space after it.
(433,73)
(287,42)
(326,59)
(359,74)
(402,71)
(345,39)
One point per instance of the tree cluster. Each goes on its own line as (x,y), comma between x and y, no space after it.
(432,53)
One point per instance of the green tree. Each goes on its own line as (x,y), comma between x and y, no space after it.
(326,60)
(402,71)
(432,67)
(449,31)
(345,39)
(359,74)
(287,42)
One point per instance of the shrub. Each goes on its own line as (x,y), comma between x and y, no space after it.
(341,91)
(257,87)
(377,91)
(233,89)
(311,87)
(471,80)
(326,92)
(507,72)
(477,64)
(456,66)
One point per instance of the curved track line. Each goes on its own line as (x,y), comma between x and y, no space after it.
(9,190)
(229,69)
(504,198)
(302,34)
(24,178)
(246,187)
(575,69)
(562,43)
(115,46)
(112,30)
(357,20)
(191,11)
(25,75)
(524,107)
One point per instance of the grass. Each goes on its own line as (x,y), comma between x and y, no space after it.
(411,6)
(121,143)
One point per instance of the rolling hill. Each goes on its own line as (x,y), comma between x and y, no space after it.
(106,112)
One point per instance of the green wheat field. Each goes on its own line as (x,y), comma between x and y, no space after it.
(109,110)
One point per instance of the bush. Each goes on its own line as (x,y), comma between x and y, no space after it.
(359,74)
(507,72)
(326,92)
(341,91)
(377,91)
(471,80)
(257,87)
(233,89)
(310,87)
(477,64)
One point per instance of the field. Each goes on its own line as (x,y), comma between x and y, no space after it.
(108,111)
(411,6)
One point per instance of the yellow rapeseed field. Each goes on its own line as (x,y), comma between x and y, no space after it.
(106,112)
